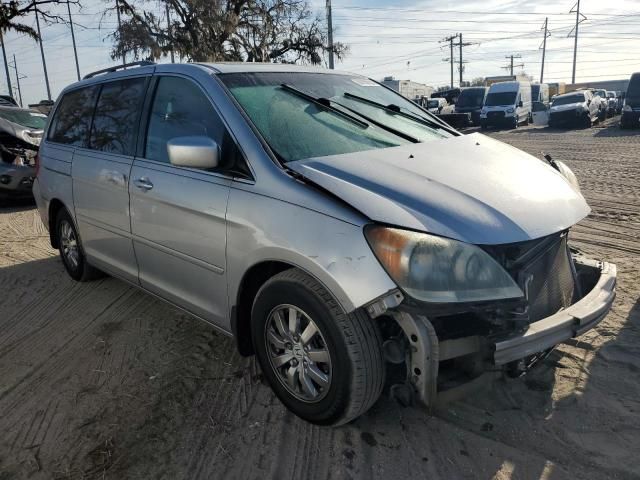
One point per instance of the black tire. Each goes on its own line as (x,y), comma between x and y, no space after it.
(353,342)
(515,124)
(80,270)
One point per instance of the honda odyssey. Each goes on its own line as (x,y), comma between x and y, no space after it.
(326,223)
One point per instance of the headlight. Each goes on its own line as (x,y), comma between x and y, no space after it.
(510,110)
(627,108)
(440,270)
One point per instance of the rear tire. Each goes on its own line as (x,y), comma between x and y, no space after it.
(71,252)
(329,376)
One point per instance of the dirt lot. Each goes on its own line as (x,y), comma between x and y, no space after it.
(101,381)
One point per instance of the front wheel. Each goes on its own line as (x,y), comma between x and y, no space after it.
(326,366)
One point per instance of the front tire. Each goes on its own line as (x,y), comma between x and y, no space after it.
(326,366)
(71,252)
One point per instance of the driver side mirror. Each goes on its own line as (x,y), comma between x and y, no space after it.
(193,152)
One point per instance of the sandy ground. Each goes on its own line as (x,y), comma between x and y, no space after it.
(102,381)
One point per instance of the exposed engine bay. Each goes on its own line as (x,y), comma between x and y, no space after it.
(16,151)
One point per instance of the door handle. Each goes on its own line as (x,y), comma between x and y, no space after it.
(143,183)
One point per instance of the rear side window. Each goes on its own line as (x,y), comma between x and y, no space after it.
(72,119)
(116,119)
(181,109)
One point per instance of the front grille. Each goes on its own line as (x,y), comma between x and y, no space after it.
(495,115)
(548,281)
(564,116)
(543,269)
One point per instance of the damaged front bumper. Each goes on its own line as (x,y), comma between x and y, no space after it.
(491,355)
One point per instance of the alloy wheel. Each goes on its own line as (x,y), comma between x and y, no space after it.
(298,353)
(69,245)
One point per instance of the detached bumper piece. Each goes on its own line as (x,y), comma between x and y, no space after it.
(487,357)
(568,323)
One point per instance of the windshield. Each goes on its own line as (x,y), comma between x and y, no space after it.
(24,118)
(297,128)
(633,90)
(569,99)
(611,95)
(496,99)
(433,103)
(471,98)
(601,93)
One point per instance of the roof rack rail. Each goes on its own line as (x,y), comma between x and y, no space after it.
(143,63)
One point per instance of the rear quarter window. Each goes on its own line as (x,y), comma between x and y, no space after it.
(72,119)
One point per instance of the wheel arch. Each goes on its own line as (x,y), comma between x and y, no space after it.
(55,206)
(252,280)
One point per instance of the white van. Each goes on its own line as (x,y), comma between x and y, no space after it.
(507,104)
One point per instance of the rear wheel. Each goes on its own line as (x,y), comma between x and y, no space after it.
(326,366)
(71,252)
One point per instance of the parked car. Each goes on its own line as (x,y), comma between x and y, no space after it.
(602,101)
(20,135)
(612,103)
(507,104)
(631,110)
(328,224)
(574,109)
(471,100)
(620,101)
(540,93)
(435,105)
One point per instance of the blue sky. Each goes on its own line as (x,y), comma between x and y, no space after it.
(399,38)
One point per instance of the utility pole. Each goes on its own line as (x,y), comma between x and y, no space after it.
(6,65)
(461,67)
(575,35)
(450,59)
(330,32)
(173,60)
(18,77)
(511,65)
(544,48)
(73,39)
(44,63)
(119,29)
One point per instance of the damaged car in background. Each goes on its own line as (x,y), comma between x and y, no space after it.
(328,224)
(20,136)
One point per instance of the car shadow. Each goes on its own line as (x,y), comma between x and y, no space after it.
(614,130)
(587,426)
(13,205)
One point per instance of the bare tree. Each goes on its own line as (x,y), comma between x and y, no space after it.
(219,30)
(13,11)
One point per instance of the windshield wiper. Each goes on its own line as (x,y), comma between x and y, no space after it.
(396,110)
(378,124)
(325,103)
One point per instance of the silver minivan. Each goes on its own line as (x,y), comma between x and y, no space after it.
(328,224)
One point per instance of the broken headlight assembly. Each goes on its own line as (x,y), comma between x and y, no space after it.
(440,270)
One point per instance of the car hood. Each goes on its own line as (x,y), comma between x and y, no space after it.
(568,106)
(16,130)
(470,188)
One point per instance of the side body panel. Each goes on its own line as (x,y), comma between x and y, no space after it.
(54,180)
(180,237)
(101,200)
(262,228)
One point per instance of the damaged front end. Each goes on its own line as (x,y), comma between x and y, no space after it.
(451,349)
(18,150)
